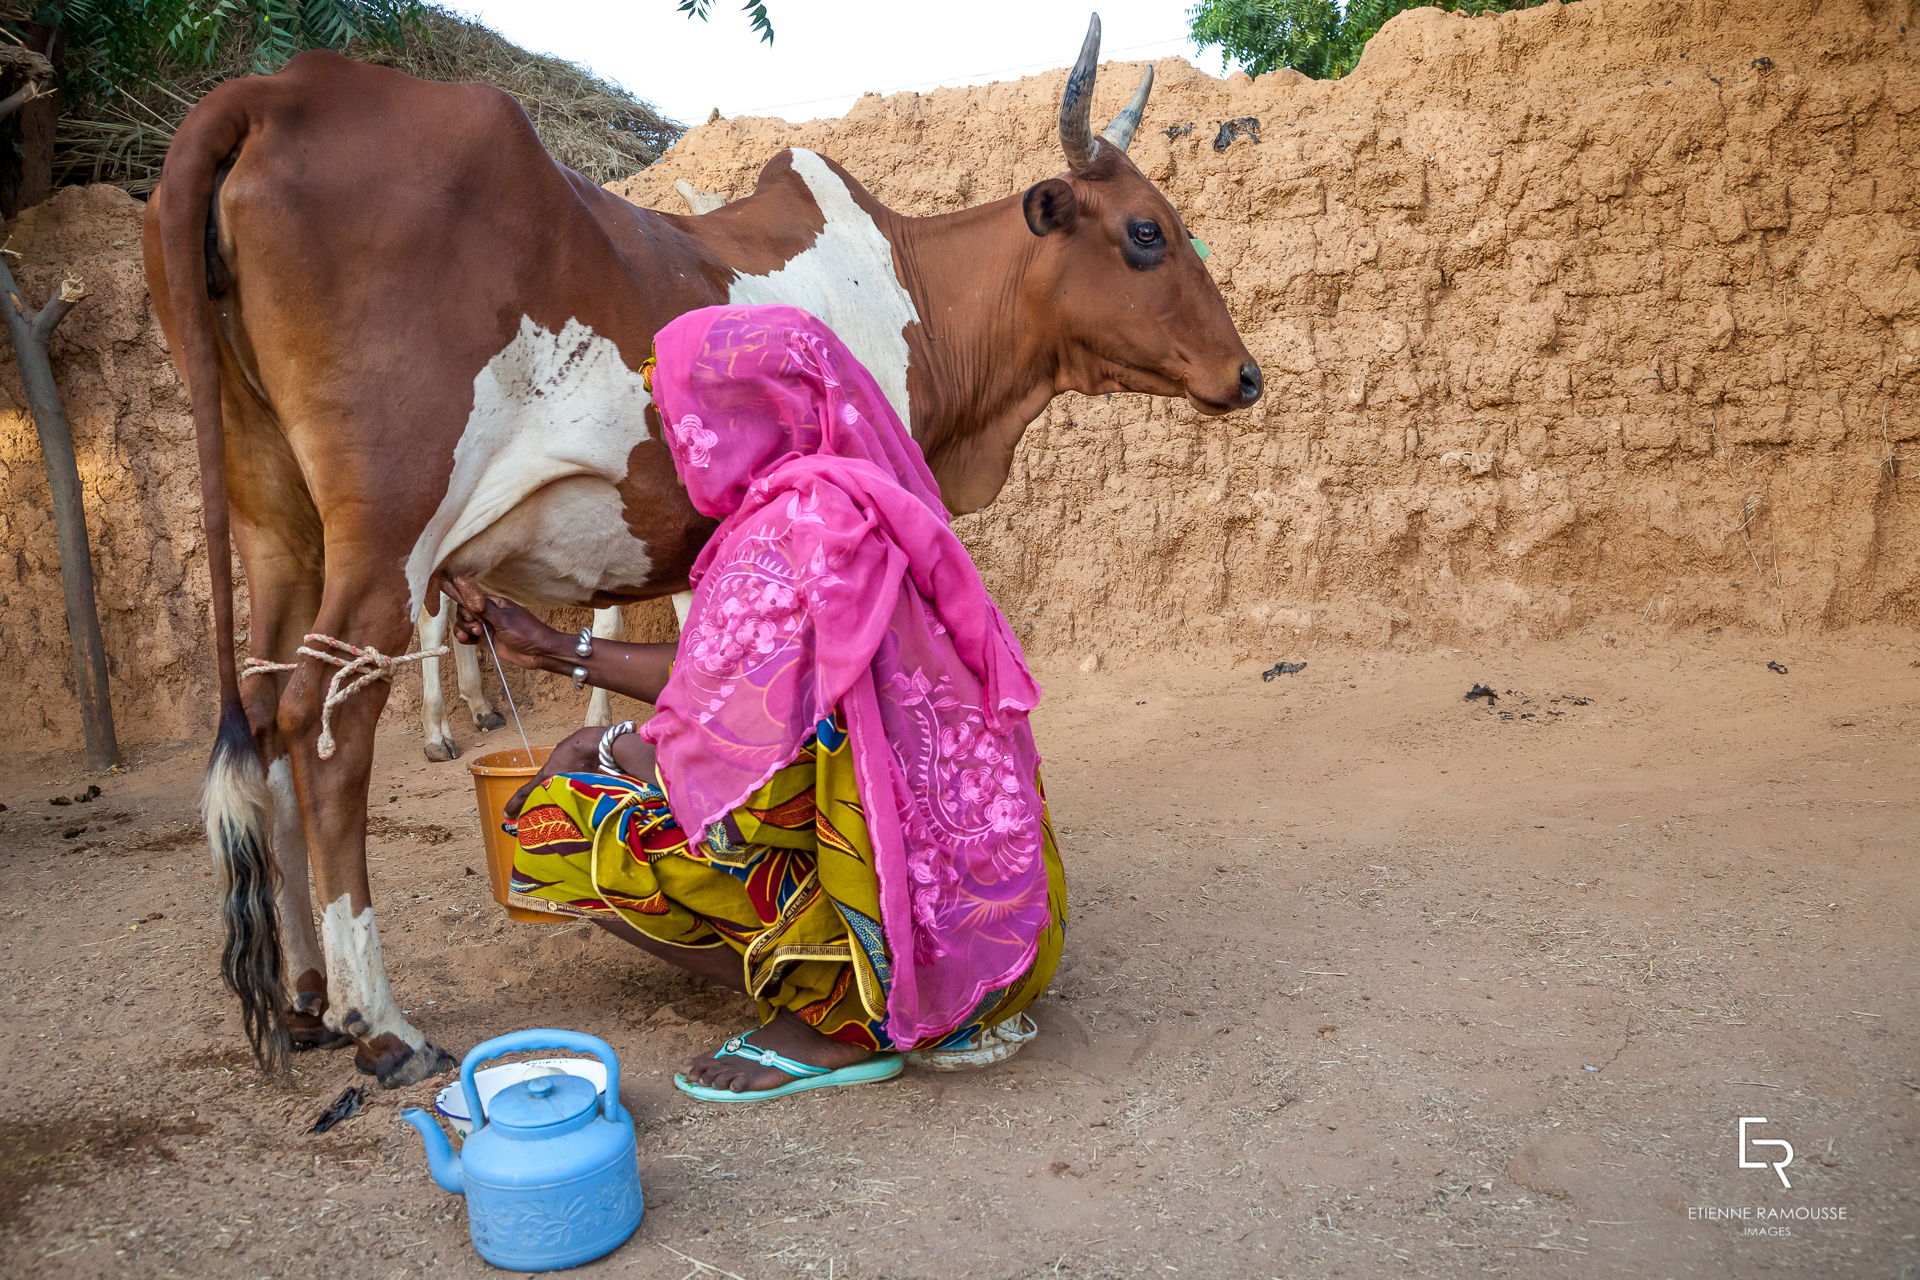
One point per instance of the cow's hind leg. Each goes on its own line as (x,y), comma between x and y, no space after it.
(301,959)
(334,803)
(284,593)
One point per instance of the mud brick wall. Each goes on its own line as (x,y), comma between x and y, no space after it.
(1604,314)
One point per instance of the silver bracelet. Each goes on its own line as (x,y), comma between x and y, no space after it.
(607,740)
(582,648)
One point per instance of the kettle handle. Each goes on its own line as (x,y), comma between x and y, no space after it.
(526,1041)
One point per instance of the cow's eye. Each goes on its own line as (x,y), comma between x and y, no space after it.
(1145,234)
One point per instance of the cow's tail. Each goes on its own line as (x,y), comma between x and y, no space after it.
(235,802)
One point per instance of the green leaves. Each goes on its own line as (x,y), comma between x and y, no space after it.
(114,44)
(755,10)
(1262,35)
(1318,38)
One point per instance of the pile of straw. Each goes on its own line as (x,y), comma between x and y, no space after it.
(587,123)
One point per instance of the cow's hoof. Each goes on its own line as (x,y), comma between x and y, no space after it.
(443,750)
(396,1064)
(306,1031)
(491,720)
(306,1021)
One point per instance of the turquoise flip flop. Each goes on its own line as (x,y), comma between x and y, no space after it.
(881,1066)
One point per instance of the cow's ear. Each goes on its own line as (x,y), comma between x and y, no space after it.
(1050,206)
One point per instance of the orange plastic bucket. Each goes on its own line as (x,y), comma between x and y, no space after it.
(496,776)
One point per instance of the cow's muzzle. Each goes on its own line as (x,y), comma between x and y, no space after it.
(1250,384)
(1227,397)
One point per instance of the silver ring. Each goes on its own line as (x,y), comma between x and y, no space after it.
(583,646)
(579,677)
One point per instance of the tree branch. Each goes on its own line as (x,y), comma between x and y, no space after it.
(48,318)
(17,99)
(37,74)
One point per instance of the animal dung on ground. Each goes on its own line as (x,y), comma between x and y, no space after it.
(344,1107)
(1776,667)
(1545,711)
(1282,669)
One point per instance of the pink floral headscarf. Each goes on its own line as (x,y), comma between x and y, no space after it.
(835,581)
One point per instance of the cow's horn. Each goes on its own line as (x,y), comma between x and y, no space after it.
(1120,132)
(1076,103)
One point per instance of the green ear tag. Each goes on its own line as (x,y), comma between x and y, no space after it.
(1200,247)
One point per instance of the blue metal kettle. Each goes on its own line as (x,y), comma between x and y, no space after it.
(551,1170)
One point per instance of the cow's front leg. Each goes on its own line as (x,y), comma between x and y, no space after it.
(433,702)
(333,795)
(466,671)
(608,624)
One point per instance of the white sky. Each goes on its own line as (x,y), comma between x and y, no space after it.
(826,53)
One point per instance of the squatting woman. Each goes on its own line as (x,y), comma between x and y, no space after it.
(836,807)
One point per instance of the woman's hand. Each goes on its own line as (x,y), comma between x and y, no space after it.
(520,639)
(578,752)
(636,671)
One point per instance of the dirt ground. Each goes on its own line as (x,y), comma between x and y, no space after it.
(1363,978)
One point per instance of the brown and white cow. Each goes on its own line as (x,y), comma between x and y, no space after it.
(608,624)
(412,341)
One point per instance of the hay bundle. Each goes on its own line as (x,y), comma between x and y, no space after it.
(588,123)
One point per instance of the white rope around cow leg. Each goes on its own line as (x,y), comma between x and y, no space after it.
(360,666)
(260,667)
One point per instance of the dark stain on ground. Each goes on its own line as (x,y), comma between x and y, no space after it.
(77,1149)
(167,841)
(379,824)
(1551,710)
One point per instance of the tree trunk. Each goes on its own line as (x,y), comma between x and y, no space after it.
(31,332)
(26,172)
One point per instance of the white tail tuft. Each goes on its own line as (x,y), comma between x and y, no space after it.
(237,807)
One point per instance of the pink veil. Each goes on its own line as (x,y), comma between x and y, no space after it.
(835,580)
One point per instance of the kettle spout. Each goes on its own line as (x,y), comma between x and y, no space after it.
(441,1162)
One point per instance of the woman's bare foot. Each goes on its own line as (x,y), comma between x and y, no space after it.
(787,1036)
